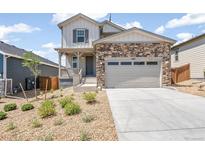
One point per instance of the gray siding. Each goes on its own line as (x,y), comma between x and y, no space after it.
(18,73)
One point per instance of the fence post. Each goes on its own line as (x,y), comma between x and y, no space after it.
(24,92)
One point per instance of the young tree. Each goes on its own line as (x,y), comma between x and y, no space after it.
(32,61)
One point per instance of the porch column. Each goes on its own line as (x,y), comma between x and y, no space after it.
(78,59)
(66,60)
(59,64)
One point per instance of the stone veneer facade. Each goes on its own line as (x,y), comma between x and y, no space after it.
(106,50)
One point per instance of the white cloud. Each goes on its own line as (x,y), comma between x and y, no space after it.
(133,24)
(48,51)
(160,30)
(50,45)
(203,31)
(188,19)
(16,28)
(184,36)
(59,17)
(40,53)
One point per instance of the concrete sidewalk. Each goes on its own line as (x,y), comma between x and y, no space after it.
(157,114)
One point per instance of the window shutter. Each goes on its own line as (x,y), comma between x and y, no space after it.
(86,35)
(74,35)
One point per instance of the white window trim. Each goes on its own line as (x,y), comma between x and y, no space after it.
(80,29)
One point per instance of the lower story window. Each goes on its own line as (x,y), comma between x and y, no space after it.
(139,63)
(152,63)
(126,63)
(113,63)
(75,62)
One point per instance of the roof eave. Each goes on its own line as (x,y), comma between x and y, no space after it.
(166,39)
(113,24)
(189,41)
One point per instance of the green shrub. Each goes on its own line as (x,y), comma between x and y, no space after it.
(65,101)
(36,123)
(47,109)
(48,137)
(90,97)
(72,108)
(10,126)
(10,107)
(26,107)
(2,115)
(58,122)
(87,118)
(84,136)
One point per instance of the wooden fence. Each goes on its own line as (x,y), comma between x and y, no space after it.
(180,74)
(52,83)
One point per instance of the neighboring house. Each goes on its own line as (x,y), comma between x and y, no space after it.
(117,57)
(11,59)
(190,52)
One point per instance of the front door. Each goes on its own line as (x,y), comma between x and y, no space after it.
(89,65)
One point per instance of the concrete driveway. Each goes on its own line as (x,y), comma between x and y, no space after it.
(157,114)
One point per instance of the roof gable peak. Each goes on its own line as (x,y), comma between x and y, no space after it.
(75,17)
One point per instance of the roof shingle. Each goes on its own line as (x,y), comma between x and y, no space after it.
(14,51)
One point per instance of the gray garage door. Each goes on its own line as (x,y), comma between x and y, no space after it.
(132,73)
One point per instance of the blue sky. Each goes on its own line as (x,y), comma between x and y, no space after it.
(39,32)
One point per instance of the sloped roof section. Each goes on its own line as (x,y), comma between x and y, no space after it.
(77,16)
(112,24)
(138,35)
(14,51)
(196,38)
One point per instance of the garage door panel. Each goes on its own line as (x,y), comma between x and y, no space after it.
(132,76)
(139,85)
(120,83)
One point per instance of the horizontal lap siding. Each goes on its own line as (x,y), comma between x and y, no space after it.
(195,57)
(18,73)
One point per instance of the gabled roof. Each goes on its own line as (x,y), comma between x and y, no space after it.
(135,29)
(189,41)
(77,16)
(13,51)
(112,24)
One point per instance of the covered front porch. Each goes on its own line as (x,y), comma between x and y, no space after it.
(76,63)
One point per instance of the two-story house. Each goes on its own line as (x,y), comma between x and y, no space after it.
(190,52)
(117,57)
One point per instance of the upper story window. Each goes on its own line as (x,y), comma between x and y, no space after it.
(80,35)
(176,55)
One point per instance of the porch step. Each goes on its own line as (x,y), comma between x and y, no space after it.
(85,87)
(65,82)
(89,80)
